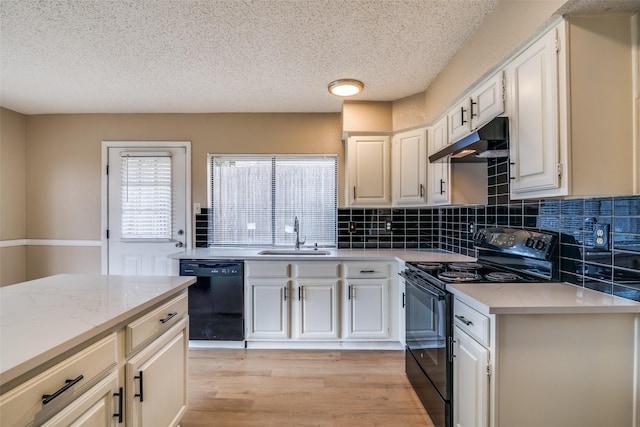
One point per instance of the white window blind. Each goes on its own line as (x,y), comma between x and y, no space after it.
(255,199)
(146,197)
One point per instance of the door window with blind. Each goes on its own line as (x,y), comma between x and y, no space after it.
(254,200)
(145,196)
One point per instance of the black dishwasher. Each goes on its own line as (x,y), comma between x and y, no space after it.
(216,300)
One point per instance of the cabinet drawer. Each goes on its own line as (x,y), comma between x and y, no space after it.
(472,322)
(25,403)
(367,270)
(155,322)
(317,269)
(267,269)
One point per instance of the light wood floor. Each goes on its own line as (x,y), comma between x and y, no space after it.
(300,388)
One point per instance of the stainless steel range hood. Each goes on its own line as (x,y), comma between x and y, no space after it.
(477,145)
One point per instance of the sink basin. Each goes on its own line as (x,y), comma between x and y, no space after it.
(293,252)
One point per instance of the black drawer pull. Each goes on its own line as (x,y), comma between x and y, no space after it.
(120,395)
(367,271)
(464,320)
(46,398)
(141,394)
(169,317)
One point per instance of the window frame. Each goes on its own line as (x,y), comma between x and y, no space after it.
(211,157)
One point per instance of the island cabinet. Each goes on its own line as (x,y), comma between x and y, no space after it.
(548,367)
(135,375)
(566,131)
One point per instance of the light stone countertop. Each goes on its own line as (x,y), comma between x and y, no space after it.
(252,254)
(41,319)
(539,298)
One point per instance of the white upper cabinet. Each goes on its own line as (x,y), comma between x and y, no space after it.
(571,110)
(439,171)
(368,175)
(409,171)
(534,138)
(482,104)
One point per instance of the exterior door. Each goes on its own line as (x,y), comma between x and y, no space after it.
(147,208)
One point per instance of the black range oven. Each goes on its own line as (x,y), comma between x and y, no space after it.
(505,255)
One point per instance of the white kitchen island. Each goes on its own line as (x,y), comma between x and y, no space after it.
(76,347)
(544,354)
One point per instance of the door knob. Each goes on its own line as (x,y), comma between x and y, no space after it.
(179,245)
(180,232)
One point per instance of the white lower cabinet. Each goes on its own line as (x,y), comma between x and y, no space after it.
(316,309)
(267,308)
(471,382)
(156,380)
(367,309)
(321,302)
(100,406)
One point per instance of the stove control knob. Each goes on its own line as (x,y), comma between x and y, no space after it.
(529,243)
(540,245)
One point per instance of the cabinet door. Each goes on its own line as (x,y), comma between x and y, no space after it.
(267,308)
(156,380)
(458,120)
(368,175)
(487,101)
(470,382)
(316,309)
(439,172)
(409,155)
(99,406)
(367,308)
(534,140)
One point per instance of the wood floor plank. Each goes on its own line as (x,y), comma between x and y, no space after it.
(247,388)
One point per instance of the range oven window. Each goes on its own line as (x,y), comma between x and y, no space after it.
(428,331)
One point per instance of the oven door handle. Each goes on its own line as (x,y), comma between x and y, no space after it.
(424,286)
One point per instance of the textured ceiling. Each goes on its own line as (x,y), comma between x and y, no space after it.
(85,56)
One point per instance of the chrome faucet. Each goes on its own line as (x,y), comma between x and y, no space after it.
(296,229)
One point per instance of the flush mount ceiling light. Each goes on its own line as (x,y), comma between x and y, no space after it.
(345,87)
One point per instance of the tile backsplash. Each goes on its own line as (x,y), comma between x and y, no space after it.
(613,269)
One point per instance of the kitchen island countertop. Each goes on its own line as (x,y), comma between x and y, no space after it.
(41,319)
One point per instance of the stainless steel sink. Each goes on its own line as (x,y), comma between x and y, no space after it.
(293,252)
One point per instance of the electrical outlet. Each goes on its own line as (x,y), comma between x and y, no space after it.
(601,236)
(197,210)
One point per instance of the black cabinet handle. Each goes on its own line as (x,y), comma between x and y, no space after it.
(472,113)
(441,186)
(349,293)
(421,190)
(464,320)
(118,414)
(169,317)
(46,398)
(404,300)
(463,121)
(300,293)
(511,177)
(367,271)
(285,293)
(141,394)
(354,192)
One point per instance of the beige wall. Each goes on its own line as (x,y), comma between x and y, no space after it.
(508,27)
(64,166)
(367,116)
(409,112)
(12,195)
